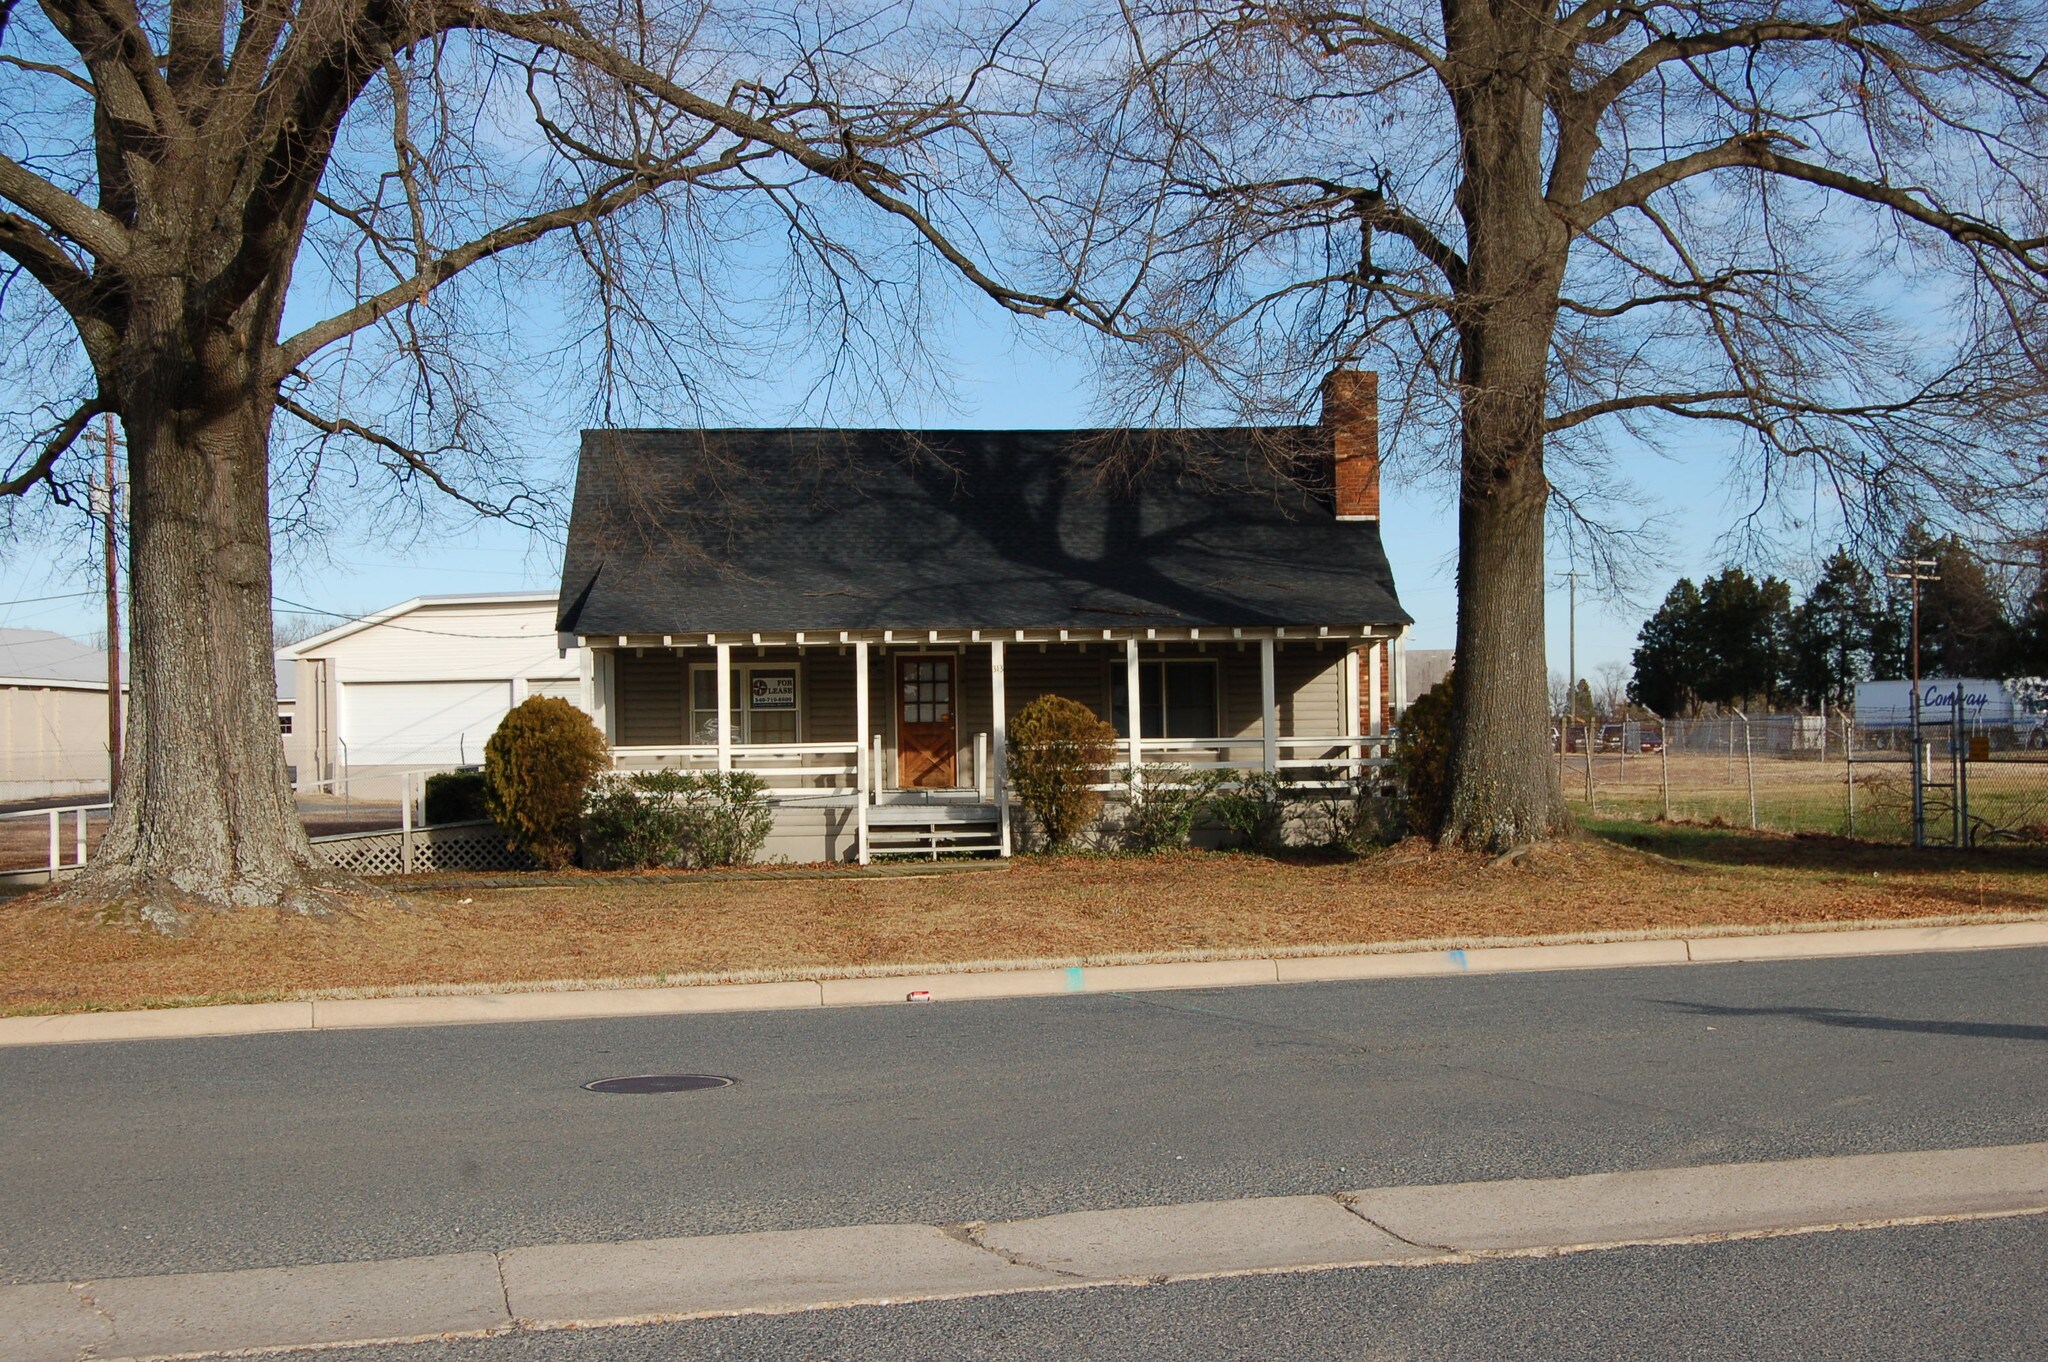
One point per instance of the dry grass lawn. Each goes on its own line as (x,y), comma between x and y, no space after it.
(1637,878)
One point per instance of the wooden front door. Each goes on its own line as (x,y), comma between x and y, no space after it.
(926,741)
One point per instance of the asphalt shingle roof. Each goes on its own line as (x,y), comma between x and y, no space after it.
(678,531)
(39,654)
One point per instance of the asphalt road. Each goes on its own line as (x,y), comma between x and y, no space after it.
(311,1147)
(1953,1293)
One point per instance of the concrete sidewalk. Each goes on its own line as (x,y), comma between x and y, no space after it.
(591,1285)
(1396,961)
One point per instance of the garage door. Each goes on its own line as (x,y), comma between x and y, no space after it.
(421,723)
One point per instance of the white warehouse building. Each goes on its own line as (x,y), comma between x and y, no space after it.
(422,684)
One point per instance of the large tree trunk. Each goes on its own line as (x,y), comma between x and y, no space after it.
(1503,784)
(204,817)
(1503,787)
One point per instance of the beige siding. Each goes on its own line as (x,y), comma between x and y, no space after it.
(827,681)
(53,741)
(1063,669)
(648,692)
(469,642)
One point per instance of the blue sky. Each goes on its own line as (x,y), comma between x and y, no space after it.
(1004,376)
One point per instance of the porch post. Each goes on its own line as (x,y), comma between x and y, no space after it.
(1373,684)
(1269,723)
(999,736)
(1351,710)
(724,706)
(863,777)
(1397,658)
(1136,710)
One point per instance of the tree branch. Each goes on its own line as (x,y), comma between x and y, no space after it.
(422,464)
(98,233)
(845,161)
(616,193)
(45,464)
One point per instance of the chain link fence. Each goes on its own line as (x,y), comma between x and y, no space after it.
(1805,773)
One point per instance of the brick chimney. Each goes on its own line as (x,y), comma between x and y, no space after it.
(1351,417)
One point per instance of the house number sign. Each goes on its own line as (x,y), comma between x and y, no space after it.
(773,692)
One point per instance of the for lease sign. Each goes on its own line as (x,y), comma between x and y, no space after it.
(772,690)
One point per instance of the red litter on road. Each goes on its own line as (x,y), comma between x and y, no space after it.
(922,995)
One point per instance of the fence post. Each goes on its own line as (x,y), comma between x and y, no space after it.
(1959,771)
(81,835)
(1748,764)
(405,821)
(56,843)
(1588,737)
(1849,770)
(1664,765)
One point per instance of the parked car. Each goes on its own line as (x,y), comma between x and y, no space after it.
(1631,737)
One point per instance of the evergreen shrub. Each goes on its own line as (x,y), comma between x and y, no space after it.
(1162,804)
(1058,749)
(455,797)
(650,820)
(729,818)
(636,821)
(1254,806)
(537,769)
(1422,759)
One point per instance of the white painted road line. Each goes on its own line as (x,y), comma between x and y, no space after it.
(587,1285)
(959,986)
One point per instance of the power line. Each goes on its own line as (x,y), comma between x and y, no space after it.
(36,600)
(411,628)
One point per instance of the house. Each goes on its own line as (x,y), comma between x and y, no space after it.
(1426,667)
(420,685)
(53,716)
(857,615)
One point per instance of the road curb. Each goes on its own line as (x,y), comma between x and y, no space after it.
(938,985)
(522,1290)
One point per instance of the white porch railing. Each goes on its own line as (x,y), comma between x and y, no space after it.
(805,771)
(1351,756)
(79,814)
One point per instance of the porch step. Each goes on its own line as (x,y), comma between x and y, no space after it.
(932,829)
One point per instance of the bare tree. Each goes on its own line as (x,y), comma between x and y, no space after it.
(341,210)
(1578,226)
(1612,692)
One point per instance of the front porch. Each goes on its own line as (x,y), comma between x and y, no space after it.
(889,742)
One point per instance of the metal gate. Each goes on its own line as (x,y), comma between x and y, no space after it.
(1974,785)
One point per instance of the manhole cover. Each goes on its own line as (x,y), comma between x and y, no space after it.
(659,1083)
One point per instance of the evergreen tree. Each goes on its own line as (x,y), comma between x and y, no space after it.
(1668,659)
(1963,626)
(1834,632)
(2030,632)
(1743,626)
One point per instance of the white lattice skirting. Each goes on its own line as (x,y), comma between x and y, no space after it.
(450,846)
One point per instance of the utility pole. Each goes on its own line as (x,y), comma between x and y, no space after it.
(113,569)
(1916,571)
(1571,683)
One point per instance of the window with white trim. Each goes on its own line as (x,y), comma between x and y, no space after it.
(1177,698)
(767,702)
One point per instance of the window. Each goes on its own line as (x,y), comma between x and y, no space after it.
(765,704)
(284,723)
(1176,699)
(928,691)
